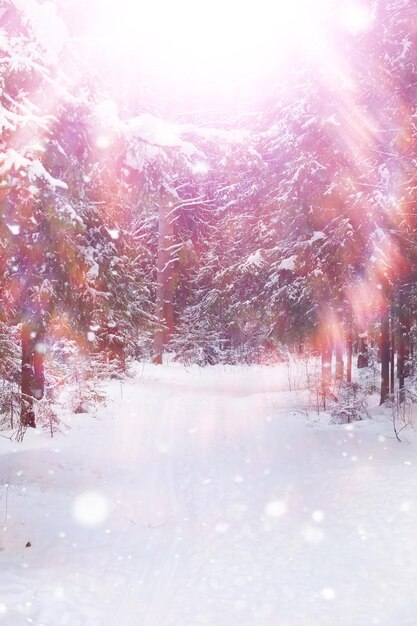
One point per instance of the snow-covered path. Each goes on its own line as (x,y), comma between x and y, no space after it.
(217,504)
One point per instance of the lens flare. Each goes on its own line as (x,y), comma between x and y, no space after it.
(90,509)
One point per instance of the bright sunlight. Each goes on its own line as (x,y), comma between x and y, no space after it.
(220,36)
(208,312)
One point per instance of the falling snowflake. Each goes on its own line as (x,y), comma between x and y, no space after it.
(276,508)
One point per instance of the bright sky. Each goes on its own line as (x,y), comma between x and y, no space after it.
(218,45)
(223,34)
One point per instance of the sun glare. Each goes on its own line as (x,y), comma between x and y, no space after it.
(224,36)
(356,17)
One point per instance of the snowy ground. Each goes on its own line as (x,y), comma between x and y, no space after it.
(206,497)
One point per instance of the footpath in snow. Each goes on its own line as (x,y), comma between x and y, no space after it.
(206,497)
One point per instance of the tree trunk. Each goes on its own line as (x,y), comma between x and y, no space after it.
(112,345)
(32,375)
(385,356)
(363,353)
(392,357)
(165,280)
(403,344)
(349,350)
(339,359)
(326,368)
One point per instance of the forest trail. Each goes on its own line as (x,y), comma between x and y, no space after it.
(208,498)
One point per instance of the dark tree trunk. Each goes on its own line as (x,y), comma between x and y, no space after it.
(27,415)
(363,353)
(385,356)
(403,344)
(32,375)
(400,368)
(112,345)
(392,357)
(165,280)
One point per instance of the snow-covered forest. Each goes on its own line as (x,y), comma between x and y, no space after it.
(208,312)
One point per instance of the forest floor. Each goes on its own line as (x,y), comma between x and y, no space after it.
(208,497)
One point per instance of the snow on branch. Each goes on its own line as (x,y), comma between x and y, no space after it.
(11,161)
